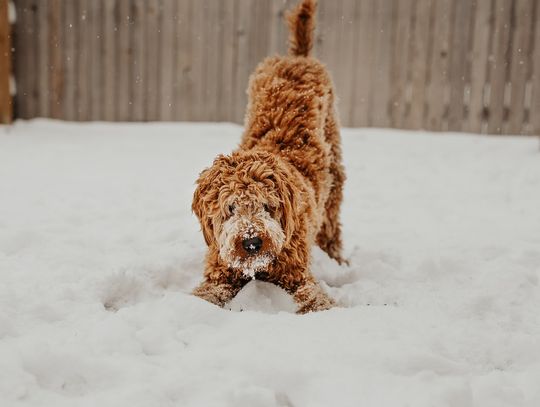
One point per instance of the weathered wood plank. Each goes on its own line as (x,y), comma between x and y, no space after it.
(185,97)
(520,59)
(95,77)
(381,92)
(361,80)
(534,111)
(110,38)
(498,64)
(245,8)
(227,56)
(56,39)
(344,63)
(152,58)
(83,62)
(25,107)
(33,58)
(138,60)
(199,59)
(458,63)
(418,60)
(479,65)
(124,64)
(42,64)
(437,87)
(400,58)
(212,63)
(6,105)
(69,54)
(167,71)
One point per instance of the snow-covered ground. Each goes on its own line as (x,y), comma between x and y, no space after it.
(99,251)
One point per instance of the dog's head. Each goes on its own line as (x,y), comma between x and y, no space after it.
(247,204)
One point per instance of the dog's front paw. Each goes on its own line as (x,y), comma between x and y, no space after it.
(218,294)
(311,298)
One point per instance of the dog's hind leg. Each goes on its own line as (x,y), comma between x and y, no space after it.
(329,236)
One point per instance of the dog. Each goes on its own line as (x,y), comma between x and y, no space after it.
(262,208)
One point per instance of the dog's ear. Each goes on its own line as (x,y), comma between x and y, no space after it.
(291,197)
(206,196)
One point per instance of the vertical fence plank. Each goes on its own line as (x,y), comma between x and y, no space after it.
(70,24)
(42,66)
(418,61)
(23,68)
(183,81)
(83,62)
(519,64)
(95,77)
(212,64)
(226,73)
(245,8)
(6,107)
(479,65)
(109,36)
(498,65)
(152,58)
(166,59)
(56,39)
(33,57)
(343,64)
(122,60)
(199,58)
(123,64)
(361,81)
(381,81)
(138,60)
(439,65)
(534,111)
(458,63)
(400,54)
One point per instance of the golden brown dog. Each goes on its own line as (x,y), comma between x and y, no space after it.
(263,207)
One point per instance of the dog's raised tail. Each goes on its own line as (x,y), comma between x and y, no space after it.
(301,25)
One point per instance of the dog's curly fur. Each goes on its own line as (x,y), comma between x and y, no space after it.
(284,183)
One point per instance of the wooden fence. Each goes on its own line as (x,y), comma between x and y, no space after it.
(459,65)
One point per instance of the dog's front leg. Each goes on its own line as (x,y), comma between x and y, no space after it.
(310,297)
(306,292)
(217,292)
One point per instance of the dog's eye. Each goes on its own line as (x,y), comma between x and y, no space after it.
(268,209)
(231,209)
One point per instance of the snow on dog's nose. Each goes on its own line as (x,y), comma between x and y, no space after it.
(252,245)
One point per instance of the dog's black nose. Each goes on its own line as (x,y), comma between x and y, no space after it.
(252,245)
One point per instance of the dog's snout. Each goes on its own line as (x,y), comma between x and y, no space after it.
(252,245)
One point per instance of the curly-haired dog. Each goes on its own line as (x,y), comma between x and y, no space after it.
(264,206)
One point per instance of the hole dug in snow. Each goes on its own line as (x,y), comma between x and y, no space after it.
(121,290)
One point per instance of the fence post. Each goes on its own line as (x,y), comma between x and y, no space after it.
(6,107)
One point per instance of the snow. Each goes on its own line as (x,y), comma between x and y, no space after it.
(99,252)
